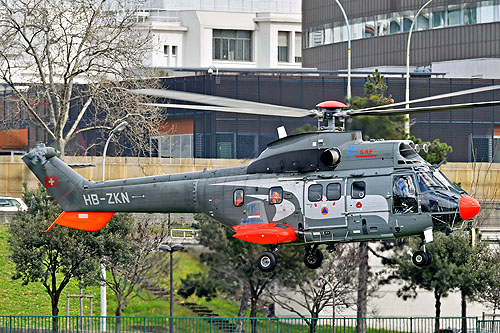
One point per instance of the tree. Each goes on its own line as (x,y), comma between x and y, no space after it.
(233,261)
(53,46)
(51,258)
(491,293)
(437,150)
(329,286)
(129,250)
(456,265)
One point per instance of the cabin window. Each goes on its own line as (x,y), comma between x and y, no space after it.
(238,197)
(275,195)
(358,190)
(333,191)
(315,193)
(404,197)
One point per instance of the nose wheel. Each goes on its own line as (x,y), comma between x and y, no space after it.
(313,257)
(421,258)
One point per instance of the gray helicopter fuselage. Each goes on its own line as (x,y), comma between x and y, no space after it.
(330,187)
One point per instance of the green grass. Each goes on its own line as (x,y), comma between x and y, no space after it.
(33,300)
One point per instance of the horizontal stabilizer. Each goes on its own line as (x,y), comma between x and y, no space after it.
(265,233)
(88,221)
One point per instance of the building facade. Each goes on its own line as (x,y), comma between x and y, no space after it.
(447,34)
(223,34)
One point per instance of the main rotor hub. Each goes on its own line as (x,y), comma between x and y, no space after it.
(329,112)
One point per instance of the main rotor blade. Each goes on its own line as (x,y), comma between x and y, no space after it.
(433,98)
(259,108)
(263,111)
(435,108)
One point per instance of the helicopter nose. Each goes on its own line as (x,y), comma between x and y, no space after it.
(468,207)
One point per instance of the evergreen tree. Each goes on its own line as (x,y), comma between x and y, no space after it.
(51,258)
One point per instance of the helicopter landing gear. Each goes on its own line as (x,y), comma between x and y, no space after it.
(313,257)
(421,258)
(267,260)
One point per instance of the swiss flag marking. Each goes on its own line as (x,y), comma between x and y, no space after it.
(51,181)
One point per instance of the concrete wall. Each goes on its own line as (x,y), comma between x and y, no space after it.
(13,171)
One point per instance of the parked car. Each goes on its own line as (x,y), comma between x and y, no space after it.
(11,204)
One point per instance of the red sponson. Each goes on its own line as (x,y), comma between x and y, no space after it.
(265,233)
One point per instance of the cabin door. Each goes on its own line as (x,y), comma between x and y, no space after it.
(324,204)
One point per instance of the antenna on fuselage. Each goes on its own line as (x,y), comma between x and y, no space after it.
(329,112)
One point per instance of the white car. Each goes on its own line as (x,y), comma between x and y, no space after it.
(11,204)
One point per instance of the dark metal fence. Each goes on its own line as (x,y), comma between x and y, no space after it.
(254,325)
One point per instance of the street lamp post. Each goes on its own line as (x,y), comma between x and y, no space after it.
(348,50)
(171,250)
(407,120)
(104,302)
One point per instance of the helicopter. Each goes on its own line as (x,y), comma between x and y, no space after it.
(318,188)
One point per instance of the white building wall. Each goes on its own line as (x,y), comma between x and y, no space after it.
(191,32)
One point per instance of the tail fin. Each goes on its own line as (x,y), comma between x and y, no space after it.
(62,182)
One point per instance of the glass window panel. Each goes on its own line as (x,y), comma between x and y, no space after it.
(454,17)
(470,16)
(382,26)
(395,26)
(423,21)
(282,38)
(315,193)
(333,191)
(358,190)
(329,36)
(217,48)
(298,47)
(486,11)
(232,49)
(318,37)
(238,196)
(369,29)
(357,29)
(337,34)
(248,50)
(407,21)
(275,195)
(225,49)
(239,49)
(438,19)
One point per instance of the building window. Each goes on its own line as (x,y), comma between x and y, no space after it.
(232,45)
(470,16)
(438,19)
(453,17)
(174,50)
(166,50)
(175,146)
(298,47)
(283,46)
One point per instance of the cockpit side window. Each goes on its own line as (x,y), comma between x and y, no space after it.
(404,195)
(358,190)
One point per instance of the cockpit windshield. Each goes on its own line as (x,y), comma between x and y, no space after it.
(427,181)
(442,178)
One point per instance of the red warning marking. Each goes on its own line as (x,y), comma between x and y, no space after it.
(359,205)
(333,204)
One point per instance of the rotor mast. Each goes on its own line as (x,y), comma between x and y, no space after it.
(329,113)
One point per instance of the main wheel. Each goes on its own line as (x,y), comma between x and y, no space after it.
(313,259)
(429,258)
(266,261)
(420,259)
